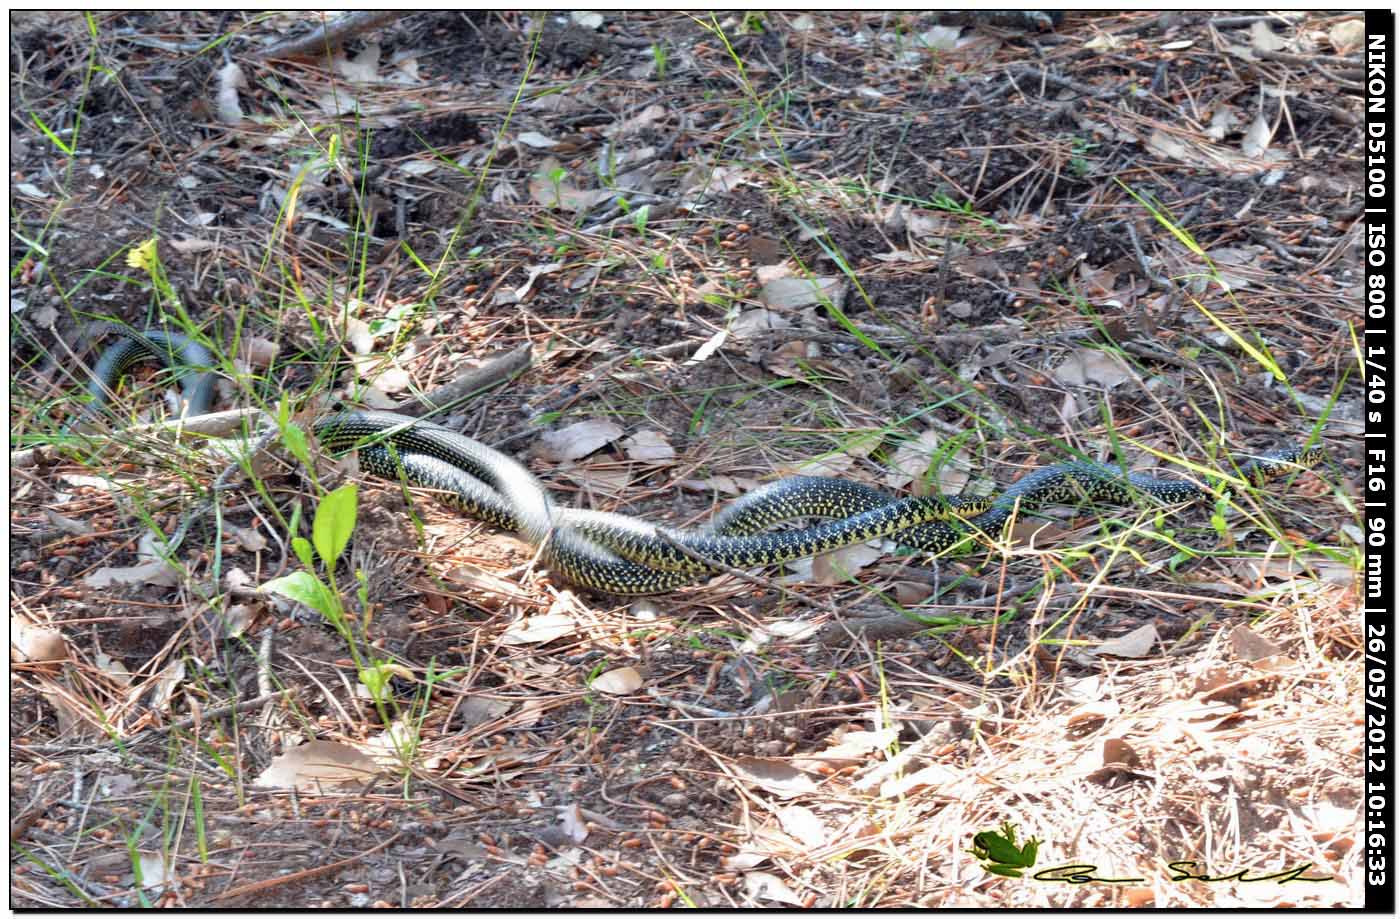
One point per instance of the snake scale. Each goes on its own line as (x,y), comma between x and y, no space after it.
(622,555)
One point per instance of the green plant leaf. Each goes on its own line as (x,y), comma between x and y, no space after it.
(335,521)
(305,587)
(302,547)
(375,678)
(1264,359)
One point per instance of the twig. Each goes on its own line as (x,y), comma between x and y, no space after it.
(690,708)
(1236,22)
(214,424)
(901,626)
(469,384)
(1053,79)
(329,36)
(1147,272)
(186,723)
(259,886)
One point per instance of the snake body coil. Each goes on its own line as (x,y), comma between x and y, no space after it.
(182,354)
(622,555)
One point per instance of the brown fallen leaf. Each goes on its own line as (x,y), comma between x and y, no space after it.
(618,682)
(317,764)
(577,440)
(537,630)
(774,775)
(1137,643)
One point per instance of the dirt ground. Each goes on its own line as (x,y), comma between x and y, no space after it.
(694,253)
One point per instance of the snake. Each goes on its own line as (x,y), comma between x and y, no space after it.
(622,555)
(186,357)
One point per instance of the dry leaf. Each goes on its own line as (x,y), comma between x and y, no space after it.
(834,465)
(757,324)
(537,630)
(32,642)
(550,188)
(165,683)
(257,352)
(188,245)
(787,359)
(1137,643)
(1222,122)
(247,538)
(573,823)
(801,824)
(791,293)
(577,440)
(774,775)
(231,80)
(480,581)
(237,618)
(1245,259)
(155,870)
(911,593)
(478,710)
(1256,139)
(854,747)
(1092,365)
(1103,41)
(67,524)
(744,859)
(317,764)
(720,484)
(837,567)
(649,447)
(611,479)
(761,885)
(537,140)
(1160,141)
(113,668)
(363,67)
(534,272)
(1249,645)
(1263,38)
(1347,35)
(618,682)
(911,463)
(392,379)
(646,116)
(1093,714)
(932,776)
(353,330)
(1118,752)
(768,273)
(157,572)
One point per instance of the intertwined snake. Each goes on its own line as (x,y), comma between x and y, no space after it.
(618,554)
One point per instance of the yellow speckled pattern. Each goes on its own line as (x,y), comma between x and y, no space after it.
(622,555)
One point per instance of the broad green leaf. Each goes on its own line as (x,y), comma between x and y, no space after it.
(335,521)
(304,587)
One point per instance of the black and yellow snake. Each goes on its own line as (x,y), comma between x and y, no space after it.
(618,554)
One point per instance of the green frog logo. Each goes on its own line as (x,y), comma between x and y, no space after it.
(999,853)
